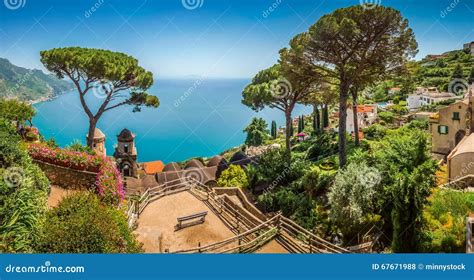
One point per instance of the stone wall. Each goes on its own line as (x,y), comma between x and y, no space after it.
(67,178)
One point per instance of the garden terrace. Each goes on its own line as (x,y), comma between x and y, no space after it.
(80,170)
(229,227)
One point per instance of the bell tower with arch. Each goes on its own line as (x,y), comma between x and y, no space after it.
(126,154)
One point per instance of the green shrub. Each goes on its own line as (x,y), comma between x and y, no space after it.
(419,124)
(77,146)
(23,194)
(257,132)
(375,132)
(234,176)
(323,146)
(444,221)
(387,117)
(82,224)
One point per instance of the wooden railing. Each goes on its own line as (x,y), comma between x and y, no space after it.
(265,232)
(251,232)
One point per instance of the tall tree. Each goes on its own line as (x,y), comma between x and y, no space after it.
(457,72)
(354,42)
(257,132)
(112,76)
(325,116)
(316,119)
(471,76)
(274,130)
(300,124)
(17,112)
(283,85)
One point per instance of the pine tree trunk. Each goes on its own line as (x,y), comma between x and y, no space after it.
(343,95)
(325,116)
(288,130)
(317,118)
(356,121)
(90,134)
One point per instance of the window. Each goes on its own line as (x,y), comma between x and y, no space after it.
(443,129)
(125,148)
(456,116)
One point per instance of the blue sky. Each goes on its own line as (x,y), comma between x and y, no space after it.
(211,38)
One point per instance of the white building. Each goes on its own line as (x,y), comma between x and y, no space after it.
(469,47)
(427,96)
(366,115)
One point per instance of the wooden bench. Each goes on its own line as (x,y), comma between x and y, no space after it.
(190,220)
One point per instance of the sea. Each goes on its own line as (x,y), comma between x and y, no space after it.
(196,118)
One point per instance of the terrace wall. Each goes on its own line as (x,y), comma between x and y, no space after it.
(67,178)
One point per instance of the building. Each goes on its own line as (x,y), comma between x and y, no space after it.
(153,167)
(366,115)
(98,143)
(126,154)
(427,96)
(394,91)
(461,158)
(469,47)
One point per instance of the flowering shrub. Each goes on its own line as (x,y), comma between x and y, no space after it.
(66,158)
(109,185)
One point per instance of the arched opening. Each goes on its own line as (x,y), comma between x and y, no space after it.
(126,170)
(459,136)
(125,148)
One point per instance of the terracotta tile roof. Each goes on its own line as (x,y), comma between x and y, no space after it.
(365,108)
(153,167)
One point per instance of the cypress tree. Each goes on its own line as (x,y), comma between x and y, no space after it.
(302,122)
(274,130)
(300,125)
(457,73)
(316,119)
(325,116)
(471,76)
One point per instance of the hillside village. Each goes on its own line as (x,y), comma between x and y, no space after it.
(383,165)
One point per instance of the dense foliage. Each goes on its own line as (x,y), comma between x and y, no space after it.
(23,193)
(257,132)
(114,77)
(445,221)
(16,111)
(233,176)
(353,197)
(82,224)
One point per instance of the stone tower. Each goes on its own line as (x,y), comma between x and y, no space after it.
(126,153)
(98,142)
